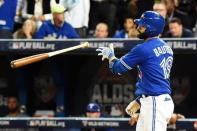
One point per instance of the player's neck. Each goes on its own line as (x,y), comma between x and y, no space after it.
(150,38)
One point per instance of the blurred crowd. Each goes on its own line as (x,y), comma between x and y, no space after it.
(65,19)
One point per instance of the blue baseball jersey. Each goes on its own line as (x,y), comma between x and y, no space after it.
(48,29)
(154,60)
(7,13)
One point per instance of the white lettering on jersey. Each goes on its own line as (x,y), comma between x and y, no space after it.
(166,65)
(162,50)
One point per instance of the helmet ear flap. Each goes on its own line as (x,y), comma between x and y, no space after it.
(150,29)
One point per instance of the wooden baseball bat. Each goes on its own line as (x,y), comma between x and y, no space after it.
(36,58)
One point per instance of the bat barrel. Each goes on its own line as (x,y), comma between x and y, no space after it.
(28,60)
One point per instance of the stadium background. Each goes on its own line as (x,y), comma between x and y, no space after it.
(65,84)
(85,79)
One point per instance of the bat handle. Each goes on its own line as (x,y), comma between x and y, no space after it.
(28,60)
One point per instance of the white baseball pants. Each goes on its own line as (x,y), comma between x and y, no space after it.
(155,112)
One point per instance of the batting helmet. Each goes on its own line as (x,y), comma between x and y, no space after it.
(152,21)
(93,107)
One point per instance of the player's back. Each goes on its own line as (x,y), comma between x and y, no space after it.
(154,70)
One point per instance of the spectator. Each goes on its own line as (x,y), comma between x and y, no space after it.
(14,107)
(177,30)
(77,16)
(27,31)
(14,111)
(173,12)
(129,30)
(38,10)
(117,110)
(56,28)
(93,110)
(7,13)
(189,7)
(160,7)
(125,8)
(101,30)
(103,11)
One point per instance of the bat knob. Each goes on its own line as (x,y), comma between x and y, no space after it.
(86,44)
(12,64)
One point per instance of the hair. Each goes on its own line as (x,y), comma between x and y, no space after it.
(176,20)
(34,28)
(171,1)
(20,33)
(13,96)
(128,17)
(161,2)
(103,23)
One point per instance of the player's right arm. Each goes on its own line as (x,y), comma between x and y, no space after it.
(117,67)
(128,61)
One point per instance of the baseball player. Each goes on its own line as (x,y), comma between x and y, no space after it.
(154,59)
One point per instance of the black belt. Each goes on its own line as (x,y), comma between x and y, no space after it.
(143,95)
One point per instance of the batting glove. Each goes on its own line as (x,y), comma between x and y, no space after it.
(133,107)
(106,53)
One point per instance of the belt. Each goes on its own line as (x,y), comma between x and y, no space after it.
(144,96)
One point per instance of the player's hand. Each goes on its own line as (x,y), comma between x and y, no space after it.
(106,53)
(176,117)
(132,108)
(133,120)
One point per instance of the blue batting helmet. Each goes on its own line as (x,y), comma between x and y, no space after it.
(152,21)
(93,107)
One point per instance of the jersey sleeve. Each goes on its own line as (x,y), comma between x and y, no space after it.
(128,61)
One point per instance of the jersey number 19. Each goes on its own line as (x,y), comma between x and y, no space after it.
(166,65)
